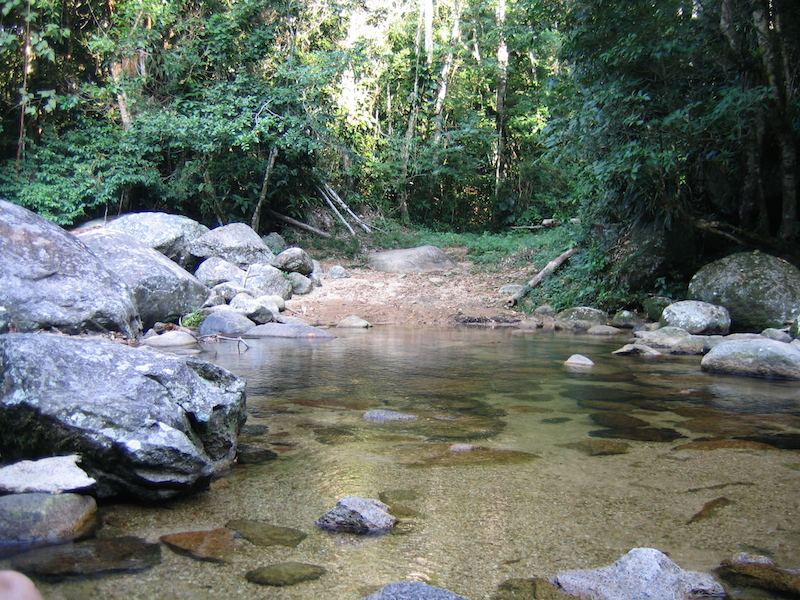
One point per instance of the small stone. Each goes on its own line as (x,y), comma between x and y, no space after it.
(213,545)
(264,534)
(248,454)
(283,574)
(358,515)
(354,322)
(579,360)
(638,350)
(50,475)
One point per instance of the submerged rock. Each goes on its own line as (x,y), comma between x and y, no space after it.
(747,570)
(412,590)
(358,515)
(40,518)
(288,330)
(93,557)
(643,573)
(600,447)
(754,358)
(264,534)
(283,574)
(638,350)
(616,420)
(533,588)
(383,416)
(213,545)
(640,434)
(473,455)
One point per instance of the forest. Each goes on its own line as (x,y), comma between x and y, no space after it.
(668,119)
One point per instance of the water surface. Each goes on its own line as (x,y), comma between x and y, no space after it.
(528,500)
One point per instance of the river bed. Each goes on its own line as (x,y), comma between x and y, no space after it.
(526,494)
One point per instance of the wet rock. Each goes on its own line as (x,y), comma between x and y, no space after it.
(401,502)
(664,337)
(213,545)
(38,518)
(534,588)
(691,344)
(412,590)
(358,515)
(603,330)
(294,260)
(147,424)
(746,570)
(52,475)
(626,319)
(254,455)
(235,242)
(226,322)
(759,290)
(289,330)
(710,508)
(163,291)
(697,317)
(265,534)
(642,573)
(384,416)
(616,420)
(354,321)
(580,318)
(707,445)
(50,280)
(600,447)
(411,260)
(640,434)
(92,557)
(170,339)
(638,350)
(579,360)
(754,358)
(783,441)
(556,420)
(283,574)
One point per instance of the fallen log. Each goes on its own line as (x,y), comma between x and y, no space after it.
(549,268)
(298,224)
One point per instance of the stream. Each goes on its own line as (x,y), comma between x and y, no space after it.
(516,466)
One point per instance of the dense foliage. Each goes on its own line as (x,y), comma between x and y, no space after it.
(456,114)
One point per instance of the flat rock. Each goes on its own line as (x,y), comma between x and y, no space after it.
(600,447)
(225,321)
(170,339)
(288,330)
(412,590)
(36,518)
(358,515)
(616,420)
(283,574)
(52,475)
(640,434)
(412,260)
(92,557)
(265,534)
(644,574)
(663,337)
(354,322)
(754,358)
(604,330)
(213,545)
(638,350)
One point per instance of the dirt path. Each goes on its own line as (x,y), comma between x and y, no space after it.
(460,296)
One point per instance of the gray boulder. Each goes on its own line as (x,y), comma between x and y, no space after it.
(358,515)
(289,330)
(236,243)
(263,279)
(411,260)
(274,241)
(337,272)
(162,289)
(412,590)
(39,518)
(580,318)
(301,284)
(52,475)
(755,358)
(644,574)
(664,337)
(697,317)
(225,321)
(50,280)
(216,271)
(169,234)
(758,290)
(252,308)
(294,260)
(147,424)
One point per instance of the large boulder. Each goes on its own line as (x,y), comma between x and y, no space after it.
(169,234)
(294,260)
(162,289)
(146,424)
(267,280)
(236,243)
(758,290)
(215,270)
(697,317)
(756,358)
(50,280)
(411,260)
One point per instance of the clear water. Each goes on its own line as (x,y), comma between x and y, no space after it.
(476,518)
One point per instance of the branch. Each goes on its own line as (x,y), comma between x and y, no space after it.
(298,224)
(549,268)
(254,223)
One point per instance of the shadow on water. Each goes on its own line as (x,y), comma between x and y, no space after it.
(514,464)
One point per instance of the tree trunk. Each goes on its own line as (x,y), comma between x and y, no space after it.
(255,222)
(448,69)
(502,111)
(26,66)
(549,268)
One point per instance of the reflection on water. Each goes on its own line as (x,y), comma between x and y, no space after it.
(500,475)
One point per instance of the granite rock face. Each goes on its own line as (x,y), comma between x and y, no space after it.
(50,280)
(147,424)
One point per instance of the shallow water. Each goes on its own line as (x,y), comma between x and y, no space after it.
(478,517)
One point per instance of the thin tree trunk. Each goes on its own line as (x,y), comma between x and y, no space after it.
(502,84)
(26,65)
(448,70)
(255,222)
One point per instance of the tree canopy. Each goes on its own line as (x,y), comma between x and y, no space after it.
(450,113)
